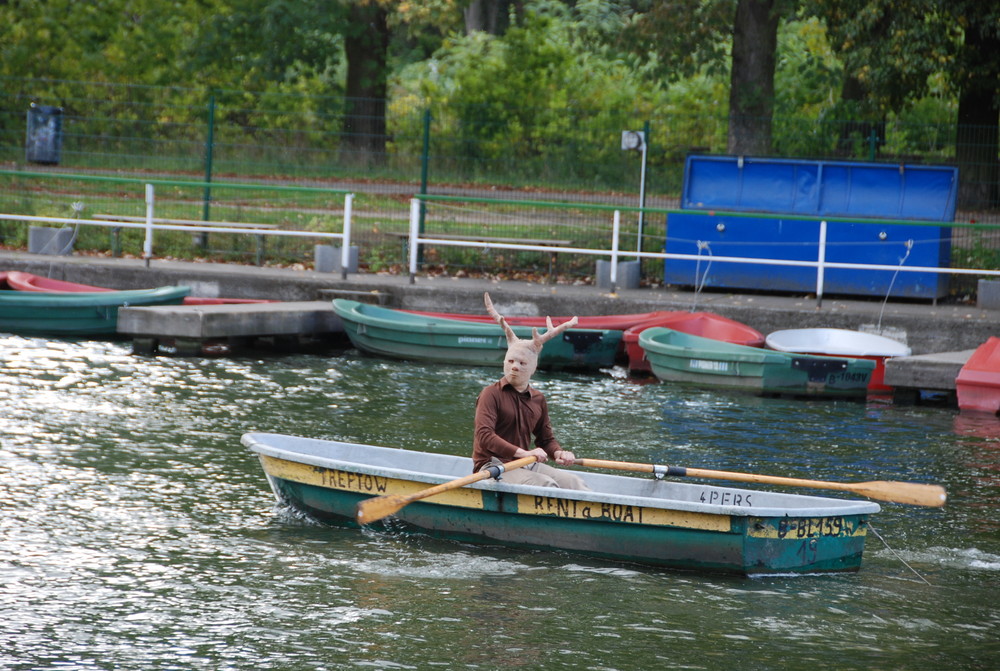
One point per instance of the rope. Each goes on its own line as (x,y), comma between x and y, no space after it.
(909,248)
(698,286)
(896,554)
(77,208)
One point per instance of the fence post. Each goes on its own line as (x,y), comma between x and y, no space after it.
(821,260)
(613,273)
(209,150)
(425,159)
(415,209)
(147,247)
(642,188)
(345,243)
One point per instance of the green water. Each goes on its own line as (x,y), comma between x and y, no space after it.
(137,533)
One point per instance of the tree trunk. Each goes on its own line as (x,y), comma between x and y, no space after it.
(366,46)
(491,16)
(977,138)
(751,91)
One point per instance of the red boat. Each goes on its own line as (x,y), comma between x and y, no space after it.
(978,383)
(704,324)
(20,281)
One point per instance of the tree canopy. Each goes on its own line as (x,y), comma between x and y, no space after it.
(864,60)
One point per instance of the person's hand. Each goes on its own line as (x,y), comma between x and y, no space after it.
(565,458)
(540,454)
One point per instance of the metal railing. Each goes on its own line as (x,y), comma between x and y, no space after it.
(613,250)
(150,225)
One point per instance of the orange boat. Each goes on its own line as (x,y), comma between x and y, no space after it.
(978,383)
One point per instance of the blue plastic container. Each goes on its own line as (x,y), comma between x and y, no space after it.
(759,190)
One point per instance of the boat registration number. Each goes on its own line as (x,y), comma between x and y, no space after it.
(806,527)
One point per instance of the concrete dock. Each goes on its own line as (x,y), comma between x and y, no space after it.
(190,330)
(939,335)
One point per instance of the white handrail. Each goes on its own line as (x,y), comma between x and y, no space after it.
(149,225)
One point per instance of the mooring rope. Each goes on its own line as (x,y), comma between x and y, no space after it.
(699,285)
(909,247)
(896,554)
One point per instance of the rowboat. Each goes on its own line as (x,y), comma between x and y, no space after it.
(704,324)
(21,281)
(77,313)
(842,342)
(978,383)
(650,521)
(416,337)
(598,322)
(680,357)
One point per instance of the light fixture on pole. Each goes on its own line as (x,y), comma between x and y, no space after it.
(635,140)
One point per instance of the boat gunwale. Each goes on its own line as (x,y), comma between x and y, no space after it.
(825,506)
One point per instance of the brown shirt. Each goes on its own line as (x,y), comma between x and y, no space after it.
(506,419)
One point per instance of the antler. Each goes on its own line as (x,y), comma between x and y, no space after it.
(537,339)
(491,311)
(551,331)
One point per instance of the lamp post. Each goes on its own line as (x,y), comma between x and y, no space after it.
(635,140)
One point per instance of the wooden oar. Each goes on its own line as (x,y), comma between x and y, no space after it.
(882,490)
(374,509)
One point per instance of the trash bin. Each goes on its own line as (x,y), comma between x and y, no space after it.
(43,139)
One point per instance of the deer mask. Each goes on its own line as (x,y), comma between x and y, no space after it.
(521,359)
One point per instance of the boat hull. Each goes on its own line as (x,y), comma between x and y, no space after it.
(406,335)
(978,383)
(327,480)
(705,324)
(78,313)
(679,357)
(21,281)
(842,342)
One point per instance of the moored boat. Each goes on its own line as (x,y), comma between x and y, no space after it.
(406,335)
(680,357)
(842,342)
(77,313)
(978,382)
(704,324)
(650,521)
(21,281)
(599,322)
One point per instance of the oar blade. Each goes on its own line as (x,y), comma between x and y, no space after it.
(933,496)
(374,509)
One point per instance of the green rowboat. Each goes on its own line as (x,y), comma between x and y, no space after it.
(640,520)
(680,357)
(420,337)
(76,313)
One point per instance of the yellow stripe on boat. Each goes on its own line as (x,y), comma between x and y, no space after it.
(613,512)
(363,483)
(796,528)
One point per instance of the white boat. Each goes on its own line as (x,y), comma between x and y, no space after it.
(841,342)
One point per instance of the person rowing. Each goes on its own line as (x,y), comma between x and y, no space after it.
(510,412)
